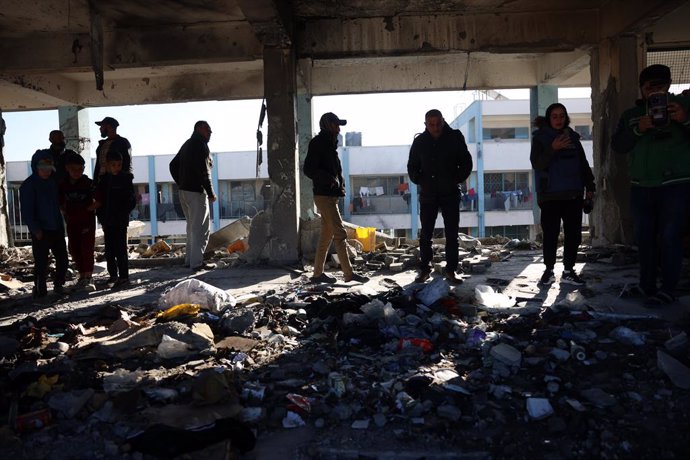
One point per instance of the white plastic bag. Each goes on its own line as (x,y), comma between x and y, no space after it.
(197,292)
(487,297)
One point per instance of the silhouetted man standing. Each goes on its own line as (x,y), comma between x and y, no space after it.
(439,162)
(112,142)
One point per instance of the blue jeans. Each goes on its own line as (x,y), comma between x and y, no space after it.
(660,215)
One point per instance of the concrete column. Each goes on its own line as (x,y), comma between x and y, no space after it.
(216,188)
(5,233)
(274,235)
(345,162)
(153,198)
(615,67)
(540,98)
(479,139)
(304,135)
(74,123)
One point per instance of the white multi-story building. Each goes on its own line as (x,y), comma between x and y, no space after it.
(498,198)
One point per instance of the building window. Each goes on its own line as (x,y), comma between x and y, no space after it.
(506,191)
(380,195)
(505,133)
(584,131)
(239,198)
(168,205)
(142,211)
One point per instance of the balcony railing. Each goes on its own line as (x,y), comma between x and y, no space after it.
(396,204)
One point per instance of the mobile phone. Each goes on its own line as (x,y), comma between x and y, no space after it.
(657,108)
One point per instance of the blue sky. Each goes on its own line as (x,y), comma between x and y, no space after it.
(383,119)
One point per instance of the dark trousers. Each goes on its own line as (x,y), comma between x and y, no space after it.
(116,250)
(450,210)
(570,213)
(660,215)
(81,241)
(52,241)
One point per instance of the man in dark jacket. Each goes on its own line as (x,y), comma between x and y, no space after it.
(323,167)
(439,162)
(191,171)
(112,142)
(60,153)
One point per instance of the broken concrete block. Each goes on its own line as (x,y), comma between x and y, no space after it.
(674,369)
(396,267)
(507,354)
(539,408)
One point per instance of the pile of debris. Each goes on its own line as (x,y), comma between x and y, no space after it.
(424,367)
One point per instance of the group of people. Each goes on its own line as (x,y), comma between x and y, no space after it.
(58,195)
(655,134)
(439,163)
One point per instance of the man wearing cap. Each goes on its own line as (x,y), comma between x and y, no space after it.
(41,213)
(439,162)
(323,167)
(656,135)
(112,142)
(191,171)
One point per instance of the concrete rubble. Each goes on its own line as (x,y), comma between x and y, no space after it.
(496,367)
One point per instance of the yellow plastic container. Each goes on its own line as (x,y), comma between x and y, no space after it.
(366,236)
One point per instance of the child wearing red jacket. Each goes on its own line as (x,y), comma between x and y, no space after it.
(77,205)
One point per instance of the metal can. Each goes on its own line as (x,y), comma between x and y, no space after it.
(336,382)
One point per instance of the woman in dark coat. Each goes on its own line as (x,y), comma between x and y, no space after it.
(562,176)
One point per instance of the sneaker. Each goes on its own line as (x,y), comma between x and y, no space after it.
(59,289)
(570,277)
(110,281)
(356,277)
(88,285)
(121,282)
(451,277)
(323,278)
(423,275)
(547,278)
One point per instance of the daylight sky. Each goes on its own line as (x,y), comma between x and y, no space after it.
(383,119)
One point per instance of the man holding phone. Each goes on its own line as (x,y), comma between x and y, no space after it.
(656,135)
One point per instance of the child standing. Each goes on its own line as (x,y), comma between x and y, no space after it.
(77,204)
(41,213)
(115,199)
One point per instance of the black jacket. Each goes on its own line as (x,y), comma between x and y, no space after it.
(438,166)
(191,167)
(117,199)
(119,144)
(323,167)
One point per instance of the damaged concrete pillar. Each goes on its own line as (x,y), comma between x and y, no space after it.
(274,234)
(74,123)
(615,66)
(5,234)
(540,98)
(304,133)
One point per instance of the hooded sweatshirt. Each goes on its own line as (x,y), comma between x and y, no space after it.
(39,198)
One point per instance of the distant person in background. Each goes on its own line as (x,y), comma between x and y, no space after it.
(115,199)
(656,135)
(562,176)
(77,204)
(41,214)
(60,153)
(323,167)
(112,142)
(191,171)
(438,163)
